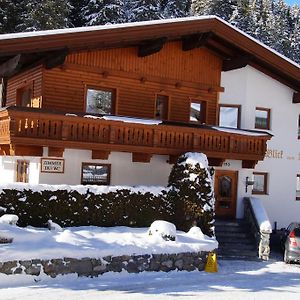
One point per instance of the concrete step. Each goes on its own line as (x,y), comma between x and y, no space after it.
(235,240)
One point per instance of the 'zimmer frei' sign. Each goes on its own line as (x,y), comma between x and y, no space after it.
(49,165)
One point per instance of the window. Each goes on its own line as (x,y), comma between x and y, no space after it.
(24,96)
(161,107)
(22,171)
(229,116)
(260,183)
(100,101)
(95,174)
(298,187)
(262,118)
(198,112)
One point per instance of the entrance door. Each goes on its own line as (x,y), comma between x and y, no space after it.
(225,193)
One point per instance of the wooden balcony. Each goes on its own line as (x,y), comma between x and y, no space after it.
(24,131)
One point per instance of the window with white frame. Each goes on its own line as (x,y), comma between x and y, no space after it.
(229,115)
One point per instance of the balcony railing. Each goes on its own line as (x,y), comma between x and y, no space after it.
(36,127)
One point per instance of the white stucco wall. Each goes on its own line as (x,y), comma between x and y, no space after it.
(252,88)
(8,166)
(123,170)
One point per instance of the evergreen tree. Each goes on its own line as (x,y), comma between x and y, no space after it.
(44,15)
(9,15)
(75,16)
(100,12)
(201,7)
(191,191)
(144,10)
(175,8)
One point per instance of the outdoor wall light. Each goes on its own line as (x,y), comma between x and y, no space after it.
(248,182)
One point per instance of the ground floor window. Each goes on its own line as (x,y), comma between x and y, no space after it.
(260,183)
(92,173)
(22,171)
(298,187)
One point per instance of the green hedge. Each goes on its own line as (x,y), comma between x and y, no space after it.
(70,208)
(188,200)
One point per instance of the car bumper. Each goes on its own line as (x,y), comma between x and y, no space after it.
(293,255)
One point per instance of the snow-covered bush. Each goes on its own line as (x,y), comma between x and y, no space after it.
(191,191)
(164,229)
(53,226)
(196,232)
(9,219)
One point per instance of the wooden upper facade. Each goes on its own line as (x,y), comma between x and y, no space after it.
(49,77)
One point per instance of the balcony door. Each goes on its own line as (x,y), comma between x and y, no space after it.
(225,193)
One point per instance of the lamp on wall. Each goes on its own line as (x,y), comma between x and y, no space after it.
(248,182)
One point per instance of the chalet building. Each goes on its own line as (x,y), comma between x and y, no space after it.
(117,105)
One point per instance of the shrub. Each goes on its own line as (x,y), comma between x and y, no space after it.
(191,190)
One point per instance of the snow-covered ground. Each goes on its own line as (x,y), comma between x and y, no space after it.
(92,241)
(235,280)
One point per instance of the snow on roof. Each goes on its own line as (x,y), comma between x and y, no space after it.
(10,36)
(126,119)
(241,131)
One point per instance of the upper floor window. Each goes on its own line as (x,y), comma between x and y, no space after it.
(229,115)
(22,171)
(262,118)
(198,112)
(260,183)
(24,96)
(92,173)
(161,107)
(100,101)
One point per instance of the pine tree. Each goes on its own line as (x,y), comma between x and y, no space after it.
(175,8)
(100,12)
(44,15)
(191,190)
(144,10)
(9,15)
(75,16)
(201,7)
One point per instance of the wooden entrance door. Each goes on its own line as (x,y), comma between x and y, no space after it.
(225,193)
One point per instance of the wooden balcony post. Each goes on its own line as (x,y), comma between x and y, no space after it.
(112,134)
(65,131)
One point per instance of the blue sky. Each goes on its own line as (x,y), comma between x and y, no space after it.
(292,2)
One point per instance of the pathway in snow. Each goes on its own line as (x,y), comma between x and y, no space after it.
(235,280)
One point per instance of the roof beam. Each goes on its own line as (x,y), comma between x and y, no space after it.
(236,62)
(151,46)
(55,59)
(193,41)
(296,97)
(12,66)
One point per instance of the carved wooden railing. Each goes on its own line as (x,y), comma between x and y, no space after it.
(40,127)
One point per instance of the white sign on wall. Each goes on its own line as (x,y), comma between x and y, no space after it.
(49,165)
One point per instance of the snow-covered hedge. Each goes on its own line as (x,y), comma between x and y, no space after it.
(188,200)
(78,207)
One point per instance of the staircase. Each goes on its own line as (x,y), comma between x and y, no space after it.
(235,240)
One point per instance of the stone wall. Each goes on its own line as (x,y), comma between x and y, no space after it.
(98,266)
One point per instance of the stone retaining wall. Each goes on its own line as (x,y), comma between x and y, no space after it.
(98,266)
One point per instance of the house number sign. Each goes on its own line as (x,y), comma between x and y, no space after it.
(49,165)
